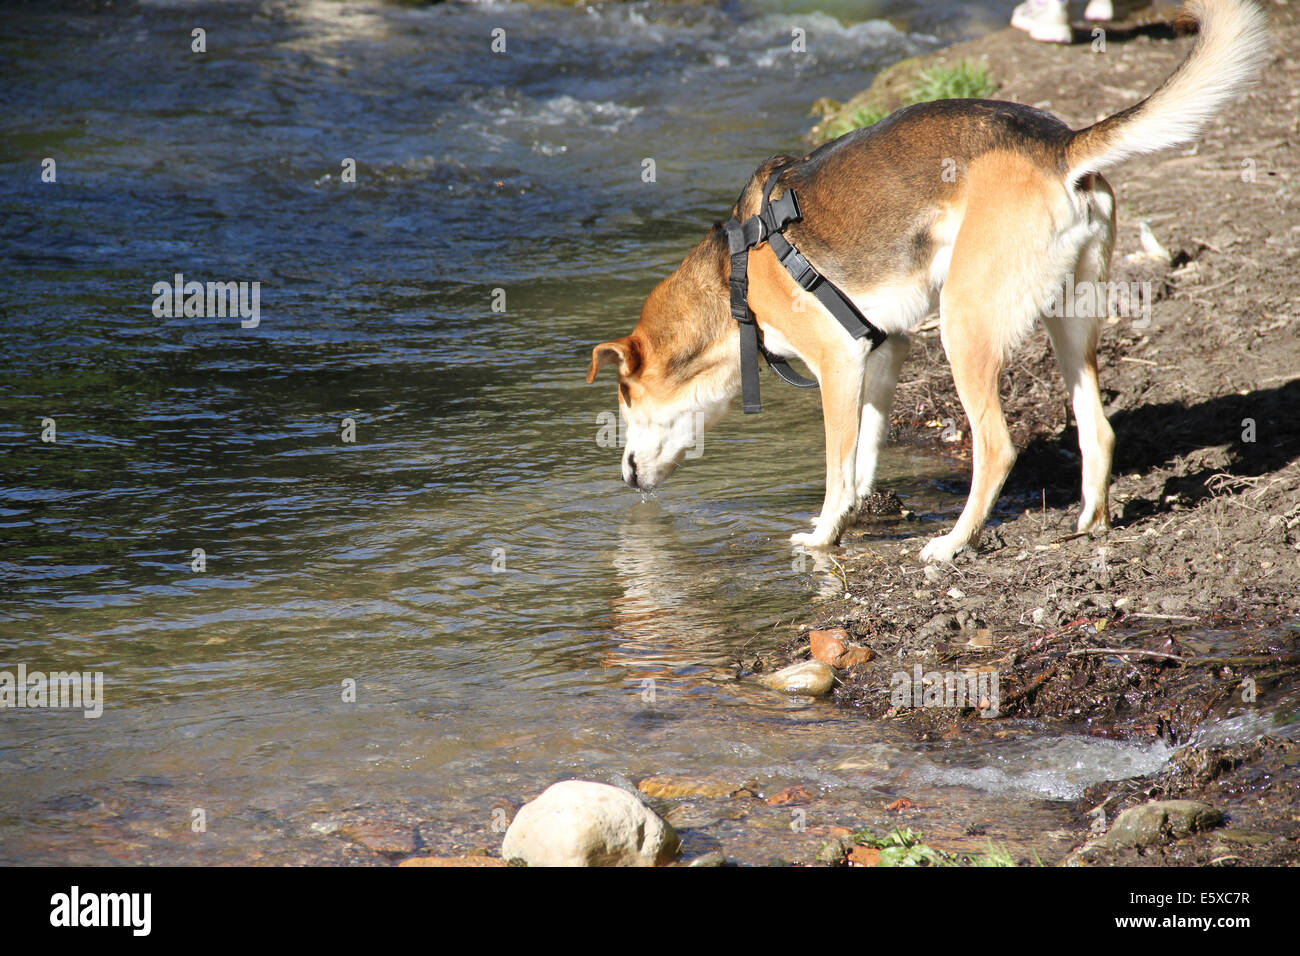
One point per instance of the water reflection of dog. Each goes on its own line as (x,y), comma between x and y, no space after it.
(666,619)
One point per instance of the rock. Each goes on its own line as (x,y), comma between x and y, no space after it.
(687,816)
(795,796)
(835,647)
(1161,820)
(814,678)
(856,654)
(669,787)
(712,858)
(581,823)
(453,861)
(834,851)
(1248,837)
(828,645)
(864,856)
(392,841)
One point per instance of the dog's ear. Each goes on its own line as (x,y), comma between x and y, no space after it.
(621,352)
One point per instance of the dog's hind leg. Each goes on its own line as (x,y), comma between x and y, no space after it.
(976,359)
(1075,343)
(878,386)
(1074,339)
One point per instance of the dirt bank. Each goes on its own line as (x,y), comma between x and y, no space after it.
(1188,610)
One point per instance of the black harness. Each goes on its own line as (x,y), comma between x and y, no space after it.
(766,226)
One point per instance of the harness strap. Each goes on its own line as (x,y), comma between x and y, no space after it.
(739,246)
(767,225)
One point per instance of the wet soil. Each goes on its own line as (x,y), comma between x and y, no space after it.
(1187,612)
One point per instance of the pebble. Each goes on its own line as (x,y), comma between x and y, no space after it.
(835,647)
(380,838)
(1249,837)
(812,678)
(828,645)
(453,861)
(670,787)
(790,797)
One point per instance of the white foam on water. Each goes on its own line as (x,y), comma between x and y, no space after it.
(1060,768)
(1244,728)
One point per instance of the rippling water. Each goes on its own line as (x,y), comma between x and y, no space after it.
(471,560)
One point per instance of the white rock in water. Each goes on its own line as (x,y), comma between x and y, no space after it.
(814,678)
(580,823)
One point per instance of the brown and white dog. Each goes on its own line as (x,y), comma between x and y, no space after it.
(983,209)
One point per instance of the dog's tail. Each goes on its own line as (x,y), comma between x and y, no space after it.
(1227,58)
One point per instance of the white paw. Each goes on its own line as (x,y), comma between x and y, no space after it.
(812,540)
(941,548)
(1092,520)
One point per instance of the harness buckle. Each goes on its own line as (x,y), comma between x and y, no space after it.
(800,269)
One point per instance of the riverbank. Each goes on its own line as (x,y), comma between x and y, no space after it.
(1183,622)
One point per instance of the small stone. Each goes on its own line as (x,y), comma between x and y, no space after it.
(712,858)
(1249,837)
(854,655)
(867,761)
(1037,615)
(687,816)
(790,797)
(388,840)
(1173,603)
(813,678)
(582,823)
(835,647)
(1161,820)
(828,645)
(453,861)
(932,574)
(956,593)
(834,851)
(670,786)
(864,856)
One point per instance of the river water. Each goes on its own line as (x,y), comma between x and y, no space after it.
(462,604)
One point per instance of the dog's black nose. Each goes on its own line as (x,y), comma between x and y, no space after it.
(631,467)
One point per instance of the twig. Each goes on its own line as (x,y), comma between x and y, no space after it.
(1088,651)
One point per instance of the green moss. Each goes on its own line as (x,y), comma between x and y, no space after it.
(904,847)
(905,84)
(964,80)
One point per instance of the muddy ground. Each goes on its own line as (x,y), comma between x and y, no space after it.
(1188,609)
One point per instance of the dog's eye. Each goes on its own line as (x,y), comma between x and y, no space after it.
(627,395)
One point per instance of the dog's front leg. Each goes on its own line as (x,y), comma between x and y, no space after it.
(841,387)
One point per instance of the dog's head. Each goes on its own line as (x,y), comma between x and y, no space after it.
(678,370)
